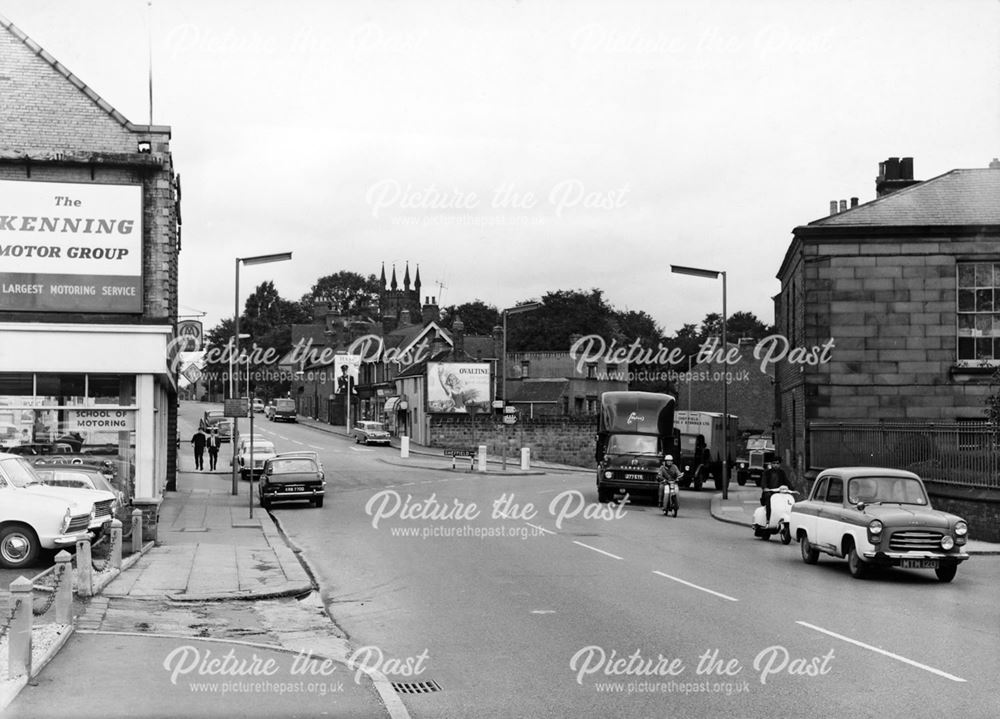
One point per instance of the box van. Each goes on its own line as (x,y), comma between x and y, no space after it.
(283,410)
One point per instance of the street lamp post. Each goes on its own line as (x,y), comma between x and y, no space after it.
(517,309)
(712,275)
(256,260)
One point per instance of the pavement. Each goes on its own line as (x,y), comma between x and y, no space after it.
(739,506)
(218,618)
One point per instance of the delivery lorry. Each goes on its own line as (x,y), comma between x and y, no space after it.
(703,446)
(635,431)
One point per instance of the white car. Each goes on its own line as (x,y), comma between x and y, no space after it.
(30,522)
(258,405)
(19,472)
(262,451)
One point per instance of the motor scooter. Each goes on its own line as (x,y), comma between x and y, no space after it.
(668,497)
(781,501)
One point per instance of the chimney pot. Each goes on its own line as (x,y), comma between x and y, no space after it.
(843,205)
(833,207)
(854,202)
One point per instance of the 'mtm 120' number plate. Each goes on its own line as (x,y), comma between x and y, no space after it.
(918,563)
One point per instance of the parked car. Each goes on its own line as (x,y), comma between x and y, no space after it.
(85,477)
(370,433)
(31,522)
(877,517)
(215,418)
(20,473)
(302,453)
(40,449)
(283,410)
(262,451)
(258,405)
(291,479)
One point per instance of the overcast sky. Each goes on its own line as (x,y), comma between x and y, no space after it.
(513,148)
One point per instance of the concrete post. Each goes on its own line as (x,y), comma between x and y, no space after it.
(19,633)
(64,591)
(136,531)
(525,457)
(84,570)
(404,447)
(482,458)
(116,544)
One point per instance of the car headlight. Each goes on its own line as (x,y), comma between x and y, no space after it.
(947,542)
(742,465)
(607,475)
(875,526)
(961,528)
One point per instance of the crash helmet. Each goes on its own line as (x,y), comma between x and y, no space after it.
(668,458)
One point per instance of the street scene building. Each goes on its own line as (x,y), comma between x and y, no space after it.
(88,279)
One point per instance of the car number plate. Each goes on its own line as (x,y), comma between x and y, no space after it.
(294,488)
(634,476)
(919,563)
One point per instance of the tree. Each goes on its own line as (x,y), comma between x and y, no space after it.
(478,317)
(563,313)
(347,293)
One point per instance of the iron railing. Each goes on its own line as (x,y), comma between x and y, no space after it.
(958,453)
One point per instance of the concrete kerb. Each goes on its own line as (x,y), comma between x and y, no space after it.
(10,688)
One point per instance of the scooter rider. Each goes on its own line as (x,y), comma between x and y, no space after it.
(773,478)
(668,473)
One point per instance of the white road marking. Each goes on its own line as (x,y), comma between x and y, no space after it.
(695,586)
(313,446)
(549,491)
(595,549)
(543,611)
(883,652)
(280,436)
(295,441)
(540,529)
(362,449)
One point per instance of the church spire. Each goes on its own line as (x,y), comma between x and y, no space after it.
(394,285)
(406,277)
(416,283)
(382,278)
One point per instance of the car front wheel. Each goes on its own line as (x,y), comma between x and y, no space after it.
(946,573)
(809,555)
(19,546)
(855,565)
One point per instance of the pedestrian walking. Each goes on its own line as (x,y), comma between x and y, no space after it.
(198,441)
(213,448)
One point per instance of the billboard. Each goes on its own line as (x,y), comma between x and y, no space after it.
(347,369)
(454,387)
(70,247)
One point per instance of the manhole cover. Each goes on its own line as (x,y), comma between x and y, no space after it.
(416,687)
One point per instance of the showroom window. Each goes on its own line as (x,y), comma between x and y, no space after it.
(978,313)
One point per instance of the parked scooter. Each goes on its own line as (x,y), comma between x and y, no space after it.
(781,501)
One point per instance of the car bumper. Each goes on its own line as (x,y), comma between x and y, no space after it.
(299,496)
(65,540)
(894,559)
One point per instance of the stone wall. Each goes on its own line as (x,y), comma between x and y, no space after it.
(563,440)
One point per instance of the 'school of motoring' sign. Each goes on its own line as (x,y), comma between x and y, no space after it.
(70,247)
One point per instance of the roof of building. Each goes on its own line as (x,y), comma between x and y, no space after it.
(85,89)
(536,390)
(958,197)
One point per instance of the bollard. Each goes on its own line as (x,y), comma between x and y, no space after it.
(64,590)
(525,457)
(482,458)
(116,544)
(136,531)
(19,642)
(84,570)
(404,447)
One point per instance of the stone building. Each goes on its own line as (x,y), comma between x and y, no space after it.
(89,239)
(907,289)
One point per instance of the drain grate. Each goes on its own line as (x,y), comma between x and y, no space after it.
(416,687)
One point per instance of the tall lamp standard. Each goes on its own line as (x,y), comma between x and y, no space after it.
(713,275)
(256,260)
(516,309)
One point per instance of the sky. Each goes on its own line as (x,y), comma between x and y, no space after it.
(515,148)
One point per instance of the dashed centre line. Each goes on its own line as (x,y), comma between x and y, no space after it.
(883,652)
(695,586)
(595,549)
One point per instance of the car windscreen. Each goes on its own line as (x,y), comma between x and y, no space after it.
(19,472)
(292,466)
(262,448)
(891,490)
(285,405)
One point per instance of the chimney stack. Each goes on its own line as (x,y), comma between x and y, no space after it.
(894,174)
(431,312)
(833,207)
(854,202)
(458,336)
(843,206)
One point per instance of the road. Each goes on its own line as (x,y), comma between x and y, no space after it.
(558,612)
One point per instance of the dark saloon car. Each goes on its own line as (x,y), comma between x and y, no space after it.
(291,478)
(877,517)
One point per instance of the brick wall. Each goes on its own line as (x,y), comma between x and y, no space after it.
(564,440)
